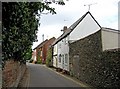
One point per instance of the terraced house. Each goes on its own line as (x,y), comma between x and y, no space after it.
(92,52)
(61,51)
(40,52)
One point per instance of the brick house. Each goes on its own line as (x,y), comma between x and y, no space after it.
(41,50)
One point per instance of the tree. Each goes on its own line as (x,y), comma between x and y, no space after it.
(20,25)
(19,28)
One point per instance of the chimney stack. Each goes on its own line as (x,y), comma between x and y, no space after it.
(64,29)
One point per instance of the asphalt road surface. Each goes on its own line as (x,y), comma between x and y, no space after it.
(41,76)
(0,78)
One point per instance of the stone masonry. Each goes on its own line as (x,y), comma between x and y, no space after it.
(91,65)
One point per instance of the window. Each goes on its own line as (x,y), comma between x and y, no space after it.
(63,59)
(60,58)
(66,58)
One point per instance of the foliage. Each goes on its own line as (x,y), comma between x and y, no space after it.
(39,61)
(49,57)
(19,28)
(60,2)
(28,54)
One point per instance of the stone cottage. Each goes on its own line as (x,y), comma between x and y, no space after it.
(93,52)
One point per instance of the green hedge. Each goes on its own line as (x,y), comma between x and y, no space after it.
(49,58)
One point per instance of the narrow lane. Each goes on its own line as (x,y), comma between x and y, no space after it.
(41,76)
(0,78)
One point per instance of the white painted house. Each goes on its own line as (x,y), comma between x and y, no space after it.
(63,54)
(55,56)
(83,27)
(61,51)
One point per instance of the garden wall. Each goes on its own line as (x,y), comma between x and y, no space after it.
(12,73)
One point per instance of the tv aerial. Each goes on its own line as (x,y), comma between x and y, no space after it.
(89,5)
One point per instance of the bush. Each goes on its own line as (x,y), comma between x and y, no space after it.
(39,61)
(49,58)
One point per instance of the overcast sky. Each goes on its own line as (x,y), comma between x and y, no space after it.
(104,11)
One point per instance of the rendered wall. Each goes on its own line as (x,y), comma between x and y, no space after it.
(110,39)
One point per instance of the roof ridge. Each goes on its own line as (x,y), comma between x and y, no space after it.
(71,28)
(41,44)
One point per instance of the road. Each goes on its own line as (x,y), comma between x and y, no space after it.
(41,76)
(0,78)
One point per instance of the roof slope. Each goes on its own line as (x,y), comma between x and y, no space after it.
(41,44)
(71,28)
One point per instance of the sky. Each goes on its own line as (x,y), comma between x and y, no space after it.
(104,11)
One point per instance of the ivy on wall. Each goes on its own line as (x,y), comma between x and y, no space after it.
(49,57)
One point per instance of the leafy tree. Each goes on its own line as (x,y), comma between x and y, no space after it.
(20,25)
(28,54)
(19,28)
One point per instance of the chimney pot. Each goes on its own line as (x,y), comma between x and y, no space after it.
(64,28)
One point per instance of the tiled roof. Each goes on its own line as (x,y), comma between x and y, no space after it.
(41,44)
(44,42)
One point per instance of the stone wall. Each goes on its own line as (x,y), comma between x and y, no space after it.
(90,65)
(12,73)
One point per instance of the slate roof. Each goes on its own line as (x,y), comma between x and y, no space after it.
(71,28)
